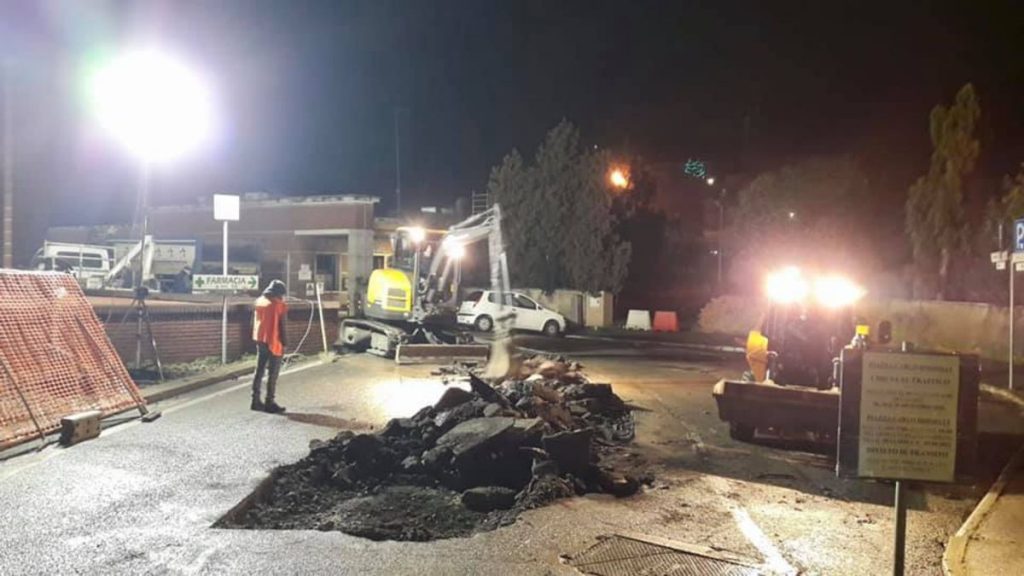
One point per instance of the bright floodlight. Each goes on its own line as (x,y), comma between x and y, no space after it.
(836,292)
(152,104)
(417,234)
(455,250)
(786,286)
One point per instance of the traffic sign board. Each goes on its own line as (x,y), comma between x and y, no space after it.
(222,283)
(1018,235)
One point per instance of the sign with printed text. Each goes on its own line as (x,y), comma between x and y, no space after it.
(1018,235)
(305,273)
(221,283)
(908,416)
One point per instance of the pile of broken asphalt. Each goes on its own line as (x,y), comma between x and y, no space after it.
(469,463)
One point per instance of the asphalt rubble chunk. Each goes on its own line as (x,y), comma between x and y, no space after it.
(471,462)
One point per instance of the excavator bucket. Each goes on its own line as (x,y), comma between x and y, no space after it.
(499,365)
(757,355)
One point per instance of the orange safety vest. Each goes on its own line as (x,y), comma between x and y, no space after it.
(266,323)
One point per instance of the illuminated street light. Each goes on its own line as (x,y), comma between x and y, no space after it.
(153,105)
(619,178)
(711,180)
(792,215)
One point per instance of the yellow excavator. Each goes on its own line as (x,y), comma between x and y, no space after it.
(409,307)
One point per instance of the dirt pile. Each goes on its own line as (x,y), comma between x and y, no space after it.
(473,461)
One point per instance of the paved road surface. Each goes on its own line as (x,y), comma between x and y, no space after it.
(141,498)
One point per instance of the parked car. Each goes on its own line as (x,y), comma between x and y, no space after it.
(481,307)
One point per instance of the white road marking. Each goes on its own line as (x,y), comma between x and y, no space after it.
(774,561)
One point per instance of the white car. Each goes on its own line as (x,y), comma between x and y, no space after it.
(481,307)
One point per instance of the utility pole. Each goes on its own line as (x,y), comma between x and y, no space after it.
(398,167)
(721,229)
(8,214)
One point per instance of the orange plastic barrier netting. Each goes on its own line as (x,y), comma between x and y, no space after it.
(55,358)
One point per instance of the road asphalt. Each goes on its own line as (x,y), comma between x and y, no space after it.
(142,497)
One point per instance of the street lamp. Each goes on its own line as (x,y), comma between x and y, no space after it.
(711,180)
(619,178)
(157,109)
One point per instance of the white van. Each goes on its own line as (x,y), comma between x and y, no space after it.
(89,264)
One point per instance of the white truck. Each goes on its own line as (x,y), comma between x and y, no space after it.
(89,264)
(97,266)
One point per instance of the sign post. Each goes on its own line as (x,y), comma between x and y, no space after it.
(1018,260)
(907,416)
(225,209)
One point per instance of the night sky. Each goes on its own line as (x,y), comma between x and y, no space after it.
(308,90)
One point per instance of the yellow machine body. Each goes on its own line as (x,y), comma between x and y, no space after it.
(389,295)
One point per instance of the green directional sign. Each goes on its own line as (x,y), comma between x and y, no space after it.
(695,168)
(220,283)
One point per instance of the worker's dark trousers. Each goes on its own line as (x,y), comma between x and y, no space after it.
(265,360)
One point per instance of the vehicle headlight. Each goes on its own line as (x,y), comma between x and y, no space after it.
(836,292)
(787,286)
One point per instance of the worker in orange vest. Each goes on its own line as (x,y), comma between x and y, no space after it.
(268,330)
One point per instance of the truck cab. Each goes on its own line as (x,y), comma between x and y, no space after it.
(89,264)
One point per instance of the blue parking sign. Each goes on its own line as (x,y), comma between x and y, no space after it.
(1018,235)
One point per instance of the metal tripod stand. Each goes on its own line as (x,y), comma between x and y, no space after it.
(138,306)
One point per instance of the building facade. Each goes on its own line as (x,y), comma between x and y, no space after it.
(300,240)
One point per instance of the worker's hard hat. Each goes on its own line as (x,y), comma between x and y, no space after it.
(275,288)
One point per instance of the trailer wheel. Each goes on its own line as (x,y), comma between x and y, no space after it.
(741,432)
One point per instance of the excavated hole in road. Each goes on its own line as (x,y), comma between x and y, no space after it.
(472,462)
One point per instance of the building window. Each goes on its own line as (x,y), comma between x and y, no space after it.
(327,271)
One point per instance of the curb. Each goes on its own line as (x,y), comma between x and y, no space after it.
(190,385)
(663,343)
(956,550)
(1003,393)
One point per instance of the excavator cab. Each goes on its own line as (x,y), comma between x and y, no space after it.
(805,327)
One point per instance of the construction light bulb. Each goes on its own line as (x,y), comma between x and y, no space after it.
(454,249)
(786,286)
(154,105)
(836,292)
(417,234)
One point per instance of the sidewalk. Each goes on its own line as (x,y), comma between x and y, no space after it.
(991,540)
(169,388)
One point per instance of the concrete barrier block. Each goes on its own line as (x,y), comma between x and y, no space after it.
(666,321)
(639,320)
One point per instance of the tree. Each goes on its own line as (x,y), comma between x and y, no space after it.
(558,222)
(936,221)
(816,211)
(1009,207)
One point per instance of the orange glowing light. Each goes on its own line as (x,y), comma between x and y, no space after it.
(619,178)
